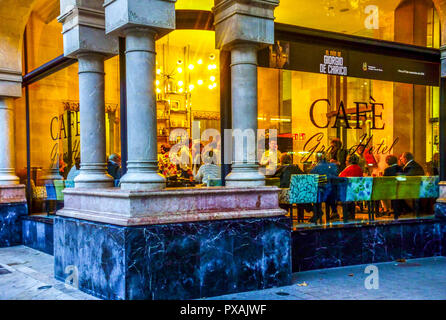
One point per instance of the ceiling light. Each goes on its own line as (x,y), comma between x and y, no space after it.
(200,82)
(191,67)
(180,83)
(180,70)
(200,61)
(212,78)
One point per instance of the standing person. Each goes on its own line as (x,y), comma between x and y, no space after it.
(352,170)
(271,158)
(325,191)
(337,154)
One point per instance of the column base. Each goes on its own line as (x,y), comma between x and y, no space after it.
(245,177)
(9,179)
(93,181)
(12,208)
(143,181)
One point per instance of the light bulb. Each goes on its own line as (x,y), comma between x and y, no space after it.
(180,70)
(180,83)
(191,67)
(214,84)
(210,87)
(158,90)
(214,66)
(180,90)
(212,78)
(191,87)
(210,67)
(200,61)
(200,82)
(158,71)
(157,82)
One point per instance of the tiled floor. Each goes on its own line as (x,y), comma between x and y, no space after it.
(27,274)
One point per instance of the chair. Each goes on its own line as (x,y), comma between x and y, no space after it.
(51,198)
(358,189)
(304,188)
(59,185)
(214,183)
(408,187)
(429,187)
(384,188)
(69,183)
(272,182)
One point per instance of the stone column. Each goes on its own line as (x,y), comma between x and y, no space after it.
(243,27)
(7,147)
(84,38)
(141,22)
(92,122)
(244,173)
(142,164)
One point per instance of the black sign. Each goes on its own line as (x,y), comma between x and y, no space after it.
(317,58)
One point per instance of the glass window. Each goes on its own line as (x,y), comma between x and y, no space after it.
(373,120)
(55,132)
(188,99)
(409,21)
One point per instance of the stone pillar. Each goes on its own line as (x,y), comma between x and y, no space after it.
(244,173)
(243,27)
(92,123)
(85,39)
(142,164)
(7,147)
(135,19)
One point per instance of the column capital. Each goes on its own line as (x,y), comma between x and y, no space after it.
(10,83)
(84,28)
(243,21)
(158,15)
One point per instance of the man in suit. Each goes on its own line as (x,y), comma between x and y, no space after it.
(411,168)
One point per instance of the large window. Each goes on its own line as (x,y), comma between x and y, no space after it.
(371,119)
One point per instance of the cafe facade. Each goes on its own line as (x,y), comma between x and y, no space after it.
(83,80)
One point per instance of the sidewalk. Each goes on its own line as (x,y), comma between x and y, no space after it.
(27,274)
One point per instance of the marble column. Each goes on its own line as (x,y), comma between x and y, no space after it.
(93,172)
(142,166)
(7,148)
(244,172)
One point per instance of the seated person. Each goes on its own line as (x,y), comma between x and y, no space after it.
(114,166)
(286,170)
(75,170)
(411,168)
(330,170)
(352,170)
(208,171)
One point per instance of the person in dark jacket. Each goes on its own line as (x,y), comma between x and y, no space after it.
(114,167)
(411,168)
(393,168)
(286,170)
(325,193)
